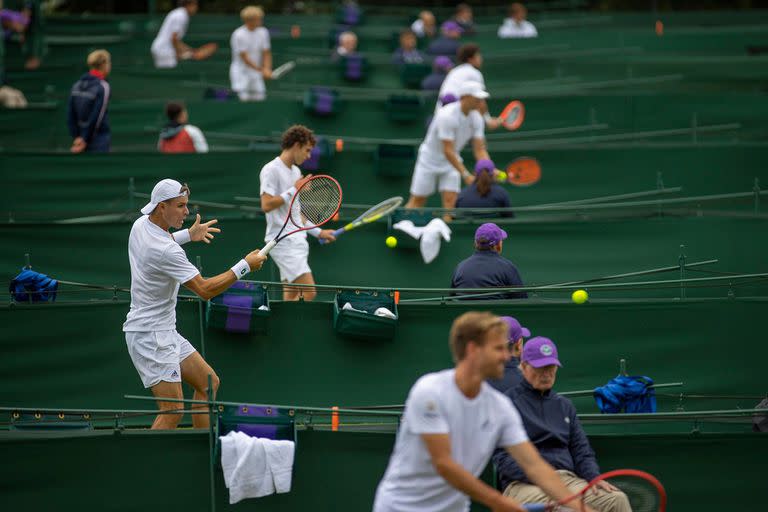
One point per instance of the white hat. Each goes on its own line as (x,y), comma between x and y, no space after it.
(164,190)
(472,88)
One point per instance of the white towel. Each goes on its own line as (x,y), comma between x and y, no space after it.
(385,313)
(429,236)
(255,467)
(348,307)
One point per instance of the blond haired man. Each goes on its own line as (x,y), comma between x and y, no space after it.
(87,107)
(452,422)
(251,56)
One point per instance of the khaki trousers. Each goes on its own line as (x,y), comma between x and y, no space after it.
(600,500)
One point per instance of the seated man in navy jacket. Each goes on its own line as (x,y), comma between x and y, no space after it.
(552,426)
(512,374)
(487,268)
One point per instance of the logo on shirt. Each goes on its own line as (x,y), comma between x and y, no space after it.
(546,350)
(567,419)
(486,424)
(174,374)
(431,410)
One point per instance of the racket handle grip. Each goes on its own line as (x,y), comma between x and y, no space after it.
(267,248)
(323,241)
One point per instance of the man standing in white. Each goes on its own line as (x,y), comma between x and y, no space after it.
(162,356)
(453,420)
(517,26)
(279,181)
(439,164)
(168,47)
(251,56)
(468,70)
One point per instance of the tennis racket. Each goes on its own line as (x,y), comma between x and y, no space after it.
(524,171)
(644,493)
(283,69)
(513,115)
(372,214)
(314,204)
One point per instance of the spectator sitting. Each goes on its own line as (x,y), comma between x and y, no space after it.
(440,68)
(484,193)
(407,53)
(25,23)
(487,268)
(347,45)
(553,427)
(178,136)
(448,42)
(463,16)
(517,26)
(425,25)
(512,374)
(88,105)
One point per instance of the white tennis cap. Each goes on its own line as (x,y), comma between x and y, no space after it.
(473,88)
(164,190)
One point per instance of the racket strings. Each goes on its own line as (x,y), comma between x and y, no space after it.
(641,494)
(318,200)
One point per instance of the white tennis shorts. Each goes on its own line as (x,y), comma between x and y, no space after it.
(157,355)
(164,60)
(291,256)
(427,179)
(249,85)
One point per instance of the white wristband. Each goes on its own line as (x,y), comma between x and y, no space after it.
(315,232)
(487,116)
(181,236)
(288,194)
(241,268)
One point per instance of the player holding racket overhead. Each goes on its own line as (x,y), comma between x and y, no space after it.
(162,356)
(439,164)
(280,179)
(452,422)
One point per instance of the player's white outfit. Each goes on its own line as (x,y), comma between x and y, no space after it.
(163,51)
(432,169)
(158,266)
(460,74)
(291,255)
(512,29)
(477,426)
(246,81)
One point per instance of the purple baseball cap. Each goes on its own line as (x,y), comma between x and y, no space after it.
(489,234)
(516,331)
(484,164)
(451,26)
(443,62)
(539,352)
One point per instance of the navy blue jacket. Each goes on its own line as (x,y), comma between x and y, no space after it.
(497,197)
(488,269)
(87,115)
(401,57)
(552,426)
(512,376)
(444,46)
(433,81)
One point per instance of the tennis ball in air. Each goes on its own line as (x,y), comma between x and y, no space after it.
(391,242)
(580,296)
(501,177)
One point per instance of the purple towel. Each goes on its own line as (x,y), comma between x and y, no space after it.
(351,15)
(255,430)
(323,102)
(239,309)
(354,67)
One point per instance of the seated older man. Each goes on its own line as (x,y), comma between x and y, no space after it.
(552,426)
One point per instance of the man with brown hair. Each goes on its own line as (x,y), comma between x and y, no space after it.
(452,422)
(87,107)
(279,181)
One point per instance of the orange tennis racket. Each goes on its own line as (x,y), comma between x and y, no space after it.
(513,115)
(205,51)
(524,171)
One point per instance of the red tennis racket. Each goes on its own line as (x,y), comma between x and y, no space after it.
(643,491)
(524,171)
(513,115)
(314,204)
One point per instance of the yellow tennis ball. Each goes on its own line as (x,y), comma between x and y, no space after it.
(391,242)
(501,177)
(580,296)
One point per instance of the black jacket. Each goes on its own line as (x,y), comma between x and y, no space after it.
(87,115)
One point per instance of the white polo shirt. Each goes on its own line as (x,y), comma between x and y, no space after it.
(176,21)
(275,178)
(477,426)
(253,43)
(462,73)
(512,29)
(158,266)
(449,123)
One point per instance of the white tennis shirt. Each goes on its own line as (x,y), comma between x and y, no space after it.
(275,178)
(158,266)
(253,43)
(449,123)
(176,21)
(462,73)
(477,426)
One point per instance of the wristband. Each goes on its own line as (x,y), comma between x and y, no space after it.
(288,194)
(487,116)
(241,268)
(182,236)
(315,232)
